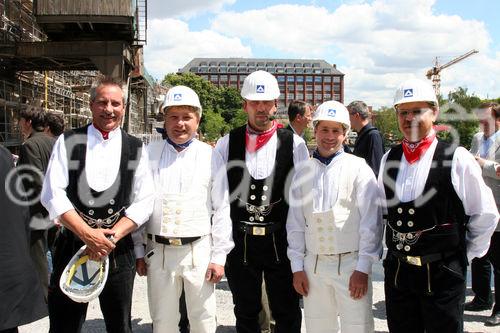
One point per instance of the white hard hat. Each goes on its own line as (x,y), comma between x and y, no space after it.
(83,279)
(181,95)
(260,86)
(332,111)
(415,90)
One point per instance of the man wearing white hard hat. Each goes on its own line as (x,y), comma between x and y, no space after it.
(439,216)
(334,229)
(258,158)
(189,232)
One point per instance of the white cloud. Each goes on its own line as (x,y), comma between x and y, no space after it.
(186,8)
(379,44)
(171,45)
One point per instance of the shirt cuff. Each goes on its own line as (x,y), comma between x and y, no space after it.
(139,251)
(364,265)
(297,265)
(136,215)
(58,206)
(218,258)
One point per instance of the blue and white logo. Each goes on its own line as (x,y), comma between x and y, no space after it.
(331,112)
(177,97)
(408,93)
(260,89)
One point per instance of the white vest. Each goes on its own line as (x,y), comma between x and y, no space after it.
(335,230)
(182,214)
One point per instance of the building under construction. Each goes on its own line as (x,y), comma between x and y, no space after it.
(52,50)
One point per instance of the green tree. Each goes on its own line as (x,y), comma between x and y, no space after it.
(457,113)
(387,123)
(214,126)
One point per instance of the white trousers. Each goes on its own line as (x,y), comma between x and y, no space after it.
(171,267)
(329,296)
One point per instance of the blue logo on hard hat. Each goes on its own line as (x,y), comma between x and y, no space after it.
(177,97)
(260,89)
(331,112)
(408,93)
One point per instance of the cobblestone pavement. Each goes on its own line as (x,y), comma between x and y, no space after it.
(141,321)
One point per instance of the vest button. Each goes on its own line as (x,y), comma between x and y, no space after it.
(407,248)
(252,197)
(411,211)
(409,236)
(112,201)
(251,218)
(91,202)
(410,224)
(261,218)
(110,211)
(91,212)
(400,210)
(264,197)
(252,187)
(399,246)
(265,187)
(399,223)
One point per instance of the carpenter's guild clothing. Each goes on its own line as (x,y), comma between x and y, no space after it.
(101,197)
(192,206)
(370,146)
(258,212)
(21,294)
(334,227)
(440,215)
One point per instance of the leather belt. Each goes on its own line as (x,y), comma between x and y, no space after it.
(258,229)
(172,241)
(422,260)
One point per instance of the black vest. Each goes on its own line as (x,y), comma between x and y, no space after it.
(259,201)
(105,207)
(435,221)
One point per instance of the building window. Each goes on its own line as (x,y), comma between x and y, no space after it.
(318,79)
(307,64)
(291,87)
(309,78)
(242,70)
(318,88)
(316,64)
(299,70)
(317,71)
(212,63)
(309,88)
(205,77)
(299,78)
(242,78)
(308,71)
(318,96)
(327,79)
(300,87)
(251,64)
(223,64)
(288,64)
(213,69)
(193,69)
(203,63)
(327,70)
(232,70)
(281,78)
(336,97)
(251,69)
(271,69)
(328,96)
(232,63)
(300,96)
(336,79)
(328,87)
(280,70)
(290,70)
(234,77)
(204,69)
(309,96)
(223,69)
(290,78)
(291,96)
(223,78)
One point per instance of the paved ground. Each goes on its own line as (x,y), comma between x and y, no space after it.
(142,322)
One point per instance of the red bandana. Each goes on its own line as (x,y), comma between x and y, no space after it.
(254,143)
(105,134)
(414,150)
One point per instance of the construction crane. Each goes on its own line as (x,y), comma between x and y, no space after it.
(434,73)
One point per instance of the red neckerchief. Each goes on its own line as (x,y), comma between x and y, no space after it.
(105,134)
(255,143)
(414,150)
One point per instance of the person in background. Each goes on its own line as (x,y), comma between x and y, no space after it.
(369,143)
(486,148)
(54,124)
(299,116)
(428,188)
(32,164)
(21,294)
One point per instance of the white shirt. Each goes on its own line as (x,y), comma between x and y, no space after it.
(102,163)
(469,185)
(260,164)
(176,170)
(325,193)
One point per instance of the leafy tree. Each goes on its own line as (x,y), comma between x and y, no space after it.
(387,123)
(457,112)
(214,126)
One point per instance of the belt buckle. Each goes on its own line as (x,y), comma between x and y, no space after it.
(259,231)
(416,261)
(175,241)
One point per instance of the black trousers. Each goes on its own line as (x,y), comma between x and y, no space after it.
(245,282)
(427,299)
(67,316)
(481,274)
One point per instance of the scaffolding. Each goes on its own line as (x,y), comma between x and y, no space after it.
(63,91)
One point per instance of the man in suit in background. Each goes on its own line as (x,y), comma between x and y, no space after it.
(485,146)
(300,116)
(33,162)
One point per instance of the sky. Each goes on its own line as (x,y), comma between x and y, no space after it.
(376,44)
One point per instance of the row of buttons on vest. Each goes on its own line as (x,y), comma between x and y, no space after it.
(411,211)
(91,212)
(406,247)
